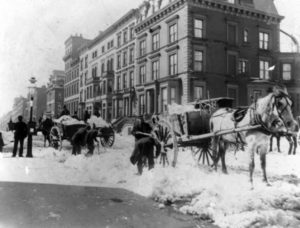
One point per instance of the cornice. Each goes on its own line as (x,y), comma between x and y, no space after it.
(228,8)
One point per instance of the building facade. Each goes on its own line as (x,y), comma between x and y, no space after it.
(55,93)
(197,49)
(71,59)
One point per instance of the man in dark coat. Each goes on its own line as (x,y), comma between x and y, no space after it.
(21,132)
(65,111)
(141,126)
(79,139)
(46,126)
(90,139)
(86,115)
(144,149)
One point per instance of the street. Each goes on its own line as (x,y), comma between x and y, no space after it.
(46,205)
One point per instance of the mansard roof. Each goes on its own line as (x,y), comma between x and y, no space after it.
(266,6)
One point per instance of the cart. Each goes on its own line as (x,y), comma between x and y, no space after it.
(64,130)
(187,126)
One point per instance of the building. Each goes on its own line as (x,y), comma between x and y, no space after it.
(39,106)
(19,109)
(197,49)
(55,93)
(289,67)
(4,120)
(71,59)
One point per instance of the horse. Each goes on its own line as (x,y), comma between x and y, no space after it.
(272,113)
(45,127)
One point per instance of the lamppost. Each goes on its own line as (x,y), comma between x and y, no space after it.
(32,80)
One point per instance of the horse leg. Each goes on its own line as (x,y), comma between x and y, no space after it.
(215,152)
(251,150)
(263,151)
(291,145)
(295,144)
(222,151)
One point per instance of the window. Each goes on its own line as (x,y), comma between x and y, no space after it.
(142,47)
(198,92)
(103,49)
(110,86)
(245,35)
(243,66)
(118,82)
(119,40)
(264,40)
(102,68)
(131,55)
(155,70)
(164,100)
(198,28)
(232,33)
(198,60)
(142,74)
(173,95)
(86,61)
(131,33)
(118,61)
(155,41)
(142,104)
(131,79)
(172,33)
(124,58)
(264,69)
(94,72)
(173,64)
(125,81)
(286,71)
(232,64)
(125,37)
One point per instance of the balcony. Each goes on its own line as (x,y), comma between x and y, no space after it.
(93,80)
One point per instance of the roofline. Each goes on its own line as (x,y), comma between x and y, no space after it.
(113,27)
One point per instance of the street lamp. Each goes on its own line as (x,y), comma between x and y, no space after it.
(32,80)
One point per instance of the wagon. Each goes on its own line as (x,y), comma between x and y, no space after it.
(187,126)
(65,131)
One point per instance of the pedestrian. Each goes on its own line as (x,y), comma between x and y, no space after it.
(65,111)
(86,115)
(20,134)
(46,126)
(1,142)
(79,139)
(90,139)
(144,150)
(141,128)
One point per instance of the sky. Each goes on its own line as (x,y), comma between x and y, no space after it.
(33,33)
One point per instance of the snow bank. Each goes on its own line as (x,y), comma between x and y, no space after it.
(180,109)
(193,189)
(68,120)
(97,121)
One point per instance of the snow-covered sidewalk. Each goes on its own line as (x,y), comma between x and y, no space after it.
(226,199)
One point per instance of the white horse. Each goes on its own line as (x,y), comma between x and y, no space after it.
(272,112)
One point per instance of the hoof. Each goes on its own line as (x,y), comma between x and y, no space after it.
(225,171)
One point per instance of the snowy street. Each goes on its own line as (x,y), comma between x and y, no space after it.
(226,200)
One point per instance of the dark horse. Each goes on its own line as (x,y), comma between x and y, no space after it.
(45,127)
(272,112)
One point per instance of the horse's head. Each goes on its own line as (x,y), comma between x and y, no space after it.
(276,113)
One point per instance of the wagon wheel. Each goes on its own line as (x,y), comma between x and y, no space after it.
(163,134)
(107,141)
(202,152)
(55,138)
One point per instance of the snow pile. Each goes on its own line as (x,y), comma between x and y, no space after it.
(8,137)
(227,200)
(68,120)
(180,109)
(97,121)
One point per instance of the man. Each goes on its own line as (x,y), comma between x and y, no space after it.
(90,139)
(21,132)
(79,139)
(141,128)
(86,115)
(65,111)
(46,126)
(144,145)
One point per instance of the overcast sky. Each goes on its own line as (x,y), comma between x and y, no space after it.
(33,33)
